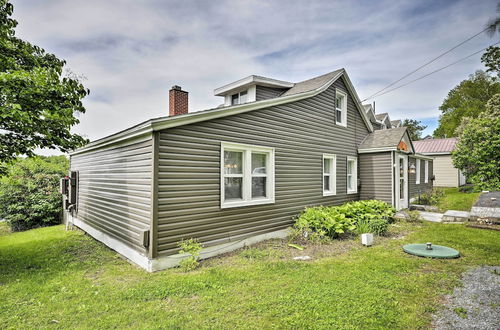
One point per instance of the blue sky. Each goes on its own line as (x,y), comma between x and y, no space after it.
(132,52)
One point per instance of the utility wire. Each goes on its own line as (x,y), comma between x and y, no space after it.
(430,73)
(424,65)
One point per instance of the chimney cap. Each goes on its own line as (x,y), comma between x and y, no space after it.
(176,87)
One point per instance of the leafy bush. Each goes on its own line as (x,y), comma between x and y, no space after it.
(431,198)
(477,151)
(193,248)
(323,223)
(413,216)
(29,192)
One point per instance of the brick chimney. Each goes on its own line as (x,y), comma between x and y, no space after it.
(178,101)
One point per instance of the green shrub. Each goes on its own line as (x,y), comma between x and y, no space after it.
(29,192)
(413,216)
(192,247)
(323,223)
(431,198)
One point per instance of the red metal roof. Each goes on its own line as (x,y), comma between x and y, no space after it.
(435,145)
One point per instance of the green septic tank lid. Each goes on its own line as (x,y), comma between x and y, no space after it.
(431,251)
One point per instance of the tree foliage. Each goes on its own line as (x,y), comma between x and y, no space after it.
(29,192)
(468,99)
(38,103)
(414,128)
(477,151)
(491,59)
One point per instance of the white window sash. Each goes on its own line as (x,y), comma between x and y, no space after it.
(332,174)
(247,175)
(353,175)
(343,109)
(417,165)
(426,172)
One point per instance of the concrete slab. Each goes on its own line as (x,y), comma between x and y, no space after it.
(431,216)
(487,208)
(456,216)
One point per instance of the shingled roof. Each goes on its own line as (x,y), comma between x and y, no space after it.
(430,146)
(311,84)
(385,138)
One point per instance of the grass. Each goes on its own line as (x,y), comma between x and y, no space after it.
(51,278)
(456,200)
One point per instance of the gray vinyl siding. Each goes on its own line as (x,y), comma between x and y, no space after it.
(114,190)
(376,176)
(264,92)
(300,132)
(422,187)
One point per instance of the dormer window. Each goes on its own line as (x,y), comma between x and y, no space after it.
(239,98)
(341,108)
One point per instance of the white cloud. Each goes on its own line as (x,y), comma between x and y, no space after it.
(132,52)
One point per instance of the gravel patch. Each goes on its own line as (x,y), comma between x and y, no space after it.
(476,305)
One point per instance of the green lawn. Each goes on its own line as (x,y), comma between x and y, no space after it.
(53,278)
(456,200)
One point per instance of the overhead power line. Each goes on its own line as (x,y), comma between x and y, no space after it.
(425,64)
(430,73)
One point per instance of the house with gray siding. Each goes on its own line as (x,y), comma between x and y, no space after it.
(237,174)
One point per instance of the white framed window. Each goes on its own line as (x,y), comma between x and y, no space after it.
(340,108)
(239,98)
(247,175)
(426,172)
(352,175)
(329,174)
(417,171)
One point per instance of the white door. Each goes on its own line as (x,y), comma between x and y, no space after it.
(402,182)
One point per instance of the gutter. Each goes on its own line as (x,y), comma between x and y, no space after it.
(150,126)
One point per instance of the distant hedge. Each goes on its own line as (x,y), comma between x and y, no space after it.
(29,192)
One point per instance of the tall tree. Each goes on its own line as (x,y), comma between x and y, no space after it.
(415,128)
(38,103)
(467,99)
(477,152)
(491,60)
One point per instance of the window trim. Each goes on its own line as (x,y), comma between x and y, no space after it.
(417,171)
(247,150)
(333,174)
(343,110)
(426,171)
(355,175)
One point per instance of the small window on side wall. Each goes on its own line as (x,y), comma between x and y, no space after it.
(247,175)
(341,108)
(352,175)
(329,174)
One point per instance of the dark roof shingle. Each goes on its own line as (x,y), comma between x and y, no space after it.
(311,84)
(383,138)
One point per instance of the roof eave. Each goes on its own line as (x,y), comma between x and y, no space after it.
(169,122)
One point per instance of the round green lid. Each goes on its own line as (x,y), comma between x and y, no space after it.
(437,251)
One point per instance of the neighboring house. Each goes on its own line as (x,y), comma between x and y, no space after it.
(382,120)
(440,150)
(239,173)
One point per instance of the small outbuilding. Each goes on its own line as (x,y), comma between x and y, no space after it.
(447,175)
